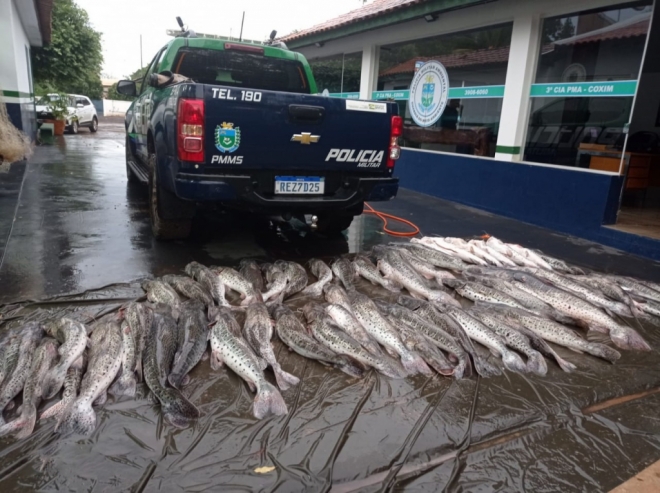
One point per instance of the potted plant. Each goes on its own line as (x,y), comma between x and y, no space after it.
(58,107)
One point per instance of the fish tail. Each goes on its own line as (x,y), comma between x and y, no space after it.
(603,351)
(628,338)
(373,348)
(284,380)
(80,418)
(54,411)
(348,366)
(177,410)
(438,362)
(268,400)
(414,364)
(28,420)
(461,367)
(565,365)
(513,362)
(126,384)
(392,285)
(536,363)
(314,290)
(389,367)
(54,381)
(13,426)
(484,367)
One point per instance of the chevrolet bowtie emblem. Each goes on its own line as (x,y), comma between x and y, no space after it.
(305,138)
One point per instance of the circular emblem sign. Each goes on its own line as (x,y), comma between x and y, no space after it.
(428,93)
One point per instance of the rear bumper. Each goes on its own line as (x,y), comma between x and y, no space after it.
(254,193)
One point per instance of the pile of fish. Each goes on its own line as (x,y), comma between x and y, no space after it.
(522,300)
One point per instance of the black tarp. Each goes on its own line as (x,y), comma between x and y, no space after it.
(509,433)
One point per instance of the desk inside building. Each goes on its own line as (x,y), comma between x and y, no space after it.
(643,169)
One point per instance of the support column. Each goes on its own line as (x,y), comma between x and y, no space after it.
(521,70)
(369,73)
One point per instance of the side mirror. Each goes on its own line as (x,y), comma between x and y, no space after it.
(127,88)
(80,105)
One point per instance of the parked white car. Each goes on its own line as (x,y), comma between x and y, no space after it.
(82,112)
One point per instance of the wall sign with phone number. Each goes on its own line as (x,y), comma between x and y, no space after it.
(620,88)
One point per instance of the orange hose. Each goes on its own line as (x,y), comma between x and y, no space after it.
(384,217)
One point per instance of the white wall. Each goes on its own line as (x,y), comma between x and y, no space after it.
(112,107)
(20,55)
(7,62)
(14,75)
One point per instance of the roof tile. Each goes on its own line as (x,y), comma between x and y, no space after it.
(454,60)
(373,9)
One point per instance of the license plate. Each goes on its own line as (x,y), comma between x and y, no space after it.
(299,185)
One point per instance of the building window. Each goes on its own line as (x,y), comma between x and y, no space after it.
(585,84)
(339,74)
(476,63)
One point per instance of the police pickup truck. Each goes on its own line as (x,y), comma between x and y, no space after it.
(242,125)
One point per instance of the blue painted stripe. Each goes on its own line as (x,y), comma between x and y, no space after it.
(564,199)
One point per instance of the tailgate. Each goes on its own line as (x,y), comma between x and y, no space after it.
(288,131)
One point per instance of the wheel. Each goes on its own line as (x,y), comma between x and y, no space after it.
(94,126)
(132,177)
(332,224)
(163,203)
(74,127)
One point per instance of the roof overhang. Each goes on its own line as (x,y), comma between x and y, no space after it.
(387,18)
(36,16)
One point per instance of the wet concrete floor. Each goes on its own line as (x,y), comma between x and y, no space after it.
(79,226)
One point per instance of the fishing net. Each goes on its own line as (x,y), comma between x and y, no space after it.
(14,144)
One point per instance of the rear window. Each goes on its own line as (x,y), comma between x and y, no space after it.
(241,69)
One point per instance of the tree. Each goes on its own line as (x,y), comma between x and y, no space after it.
(557,28)
(71,63)
(137,75)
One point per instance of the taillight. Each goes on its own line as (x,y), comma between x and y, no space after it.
(396,131)
(190,130)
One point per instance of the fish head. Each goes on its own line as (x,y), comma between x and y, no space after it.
(409,302)
(278,311)
(49,346)
(191,268)
(382,306)
(453,283)
(248,263)
(272,271)
(334,291)
(213,313)
(282,264)
(192,304)
(379,251)
(385,267)
(312,311)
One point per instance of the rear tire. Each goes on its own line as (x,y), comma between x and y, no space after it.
(333,224)
(94,126)
(161,199)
